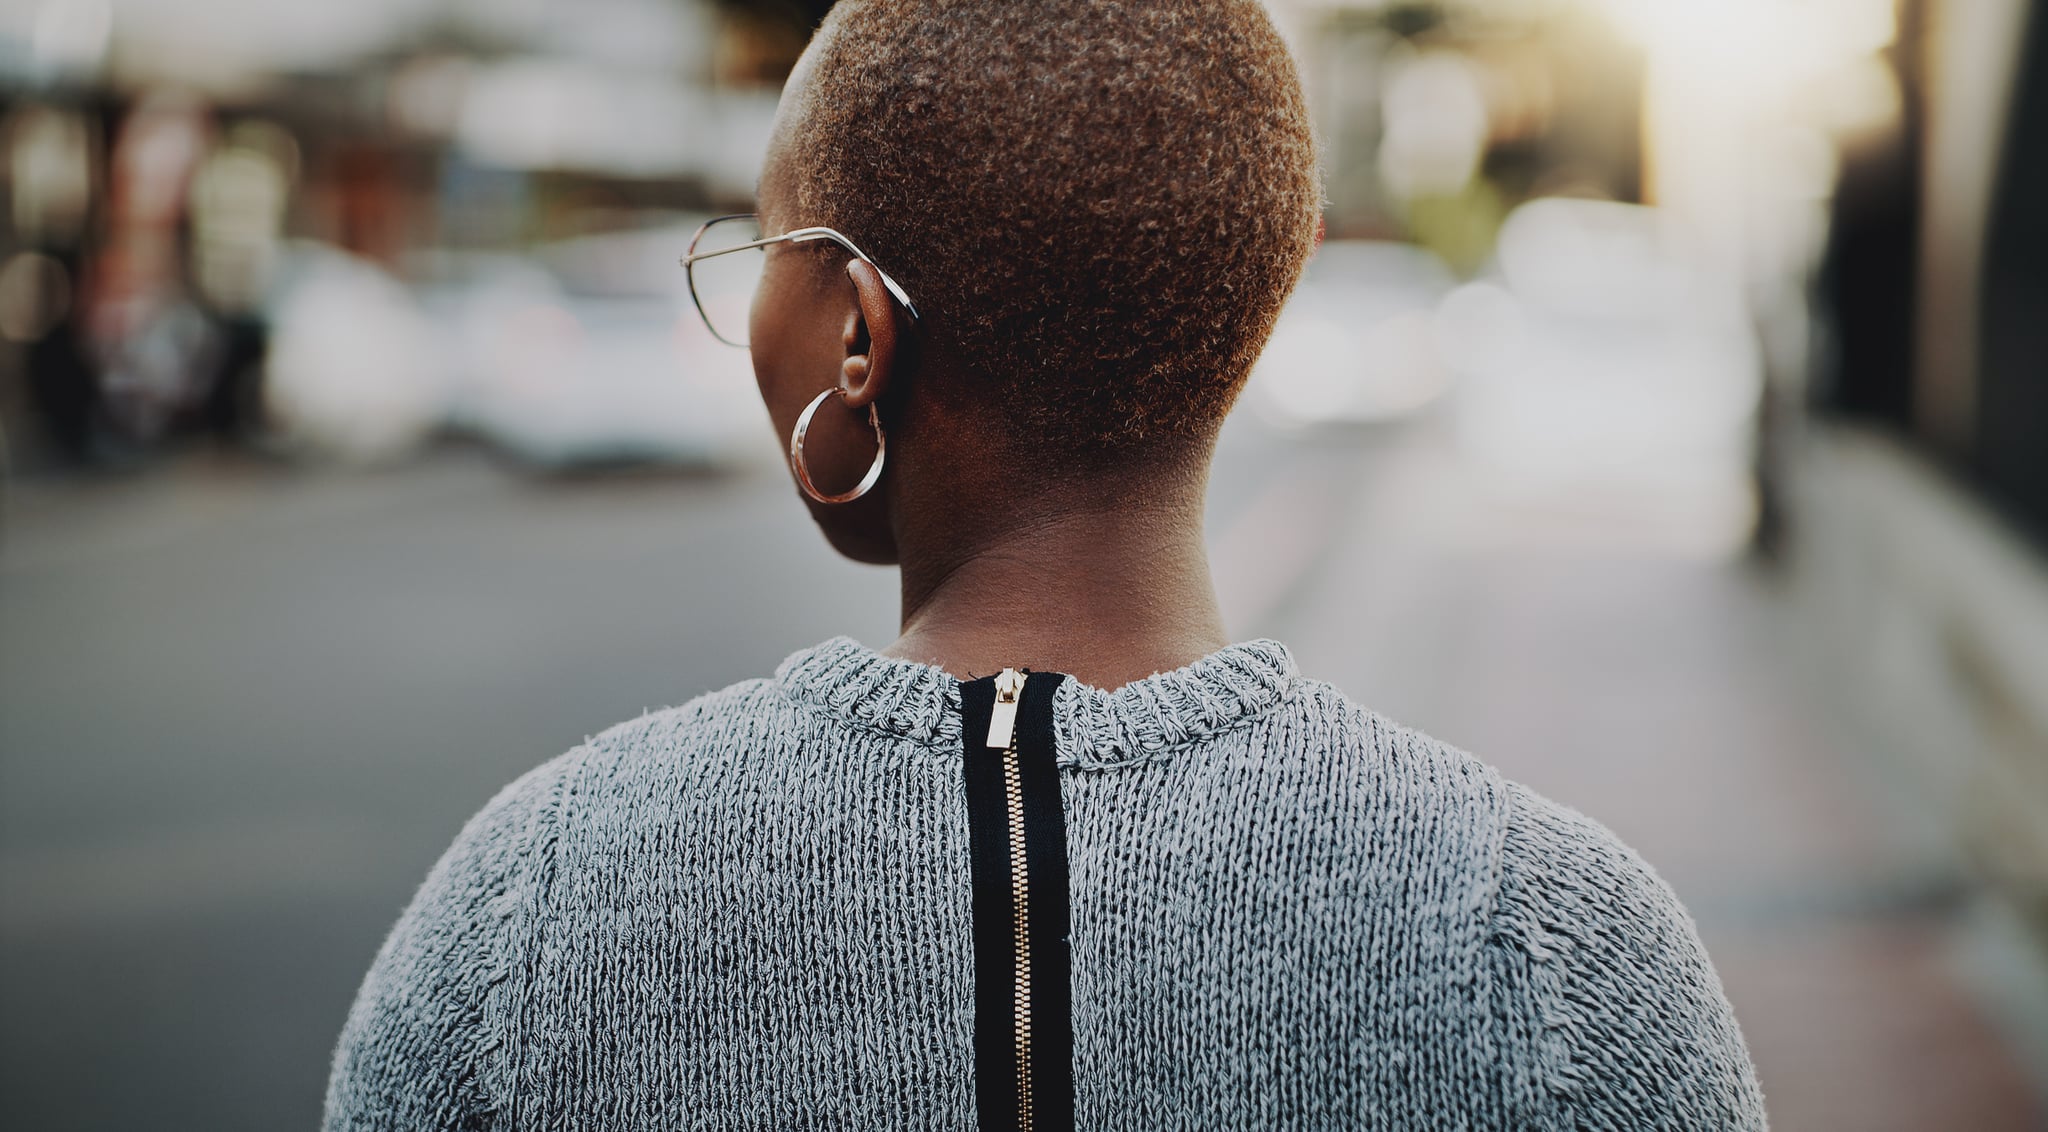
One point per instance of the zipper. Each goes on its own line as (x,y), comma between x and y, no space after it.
(1002,719)
(1017,845)
(1002,733)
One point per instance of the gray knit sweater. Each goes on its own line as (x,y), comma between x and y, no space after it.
(753,911)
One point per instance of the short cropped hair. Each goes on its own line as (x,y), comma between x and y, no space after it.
(1099,206)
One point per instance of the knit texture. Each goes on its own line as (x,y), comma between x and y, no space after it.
(753,911)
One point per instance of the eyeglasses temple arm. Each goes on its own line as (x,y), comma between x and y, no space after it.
(805,235)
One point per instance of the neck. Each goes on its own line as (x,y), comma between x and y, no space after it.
(1108,584)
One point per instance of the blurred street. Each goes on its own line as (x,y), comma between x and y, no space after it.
(1659,418)
(319,676)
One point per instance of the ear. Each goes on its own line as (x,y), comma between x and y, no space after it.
(877,338)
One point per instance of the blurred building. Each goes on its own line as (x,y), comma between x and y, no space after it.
(176,174)
(1920,500)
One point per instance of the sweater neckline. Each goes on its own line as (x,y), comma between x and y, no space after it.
(1093,727)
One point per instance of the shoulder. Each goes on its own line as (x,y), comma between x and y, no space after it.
(1433,813)
(505,844)
(1322,716)
(1607,1012)
(424,1040)
(1557,860)
(1599,969)
(707,726)
(708,716)
(508,843)
(421,1047)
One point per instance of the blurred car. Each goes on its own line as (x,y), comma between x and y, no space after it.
(356,371)
(591,354)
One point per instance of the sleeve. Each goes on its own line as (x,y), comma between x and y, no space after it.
(1606,995)
(429,1042)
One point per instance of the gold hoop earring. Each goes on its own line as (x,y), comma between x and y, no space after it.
(803,474)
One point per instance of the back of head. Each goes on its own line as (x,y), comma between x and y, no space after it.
(1098,205)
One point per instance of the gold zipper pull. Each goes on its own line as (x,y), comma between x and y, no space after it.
(1002,722)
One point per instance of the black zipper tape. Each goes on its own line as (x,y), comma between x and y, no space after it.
(996,1081)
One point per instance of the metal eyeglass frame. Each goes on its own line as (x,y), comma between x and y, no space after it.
(795,236)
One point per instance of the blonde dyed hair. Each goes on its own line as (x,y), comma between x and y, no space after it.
(1098,206)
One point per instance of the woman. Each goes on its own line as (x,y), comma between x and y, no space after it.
(1060,856)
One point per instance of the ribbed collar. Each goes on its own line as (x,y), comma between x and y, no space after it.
(1139,722)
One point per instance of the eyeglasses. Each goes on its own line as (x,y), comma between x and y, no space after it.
(724,267)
